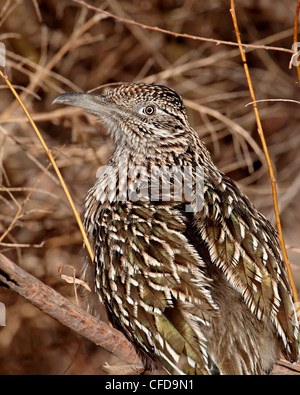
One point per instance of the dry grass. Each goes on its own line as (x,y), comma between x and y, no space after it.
(57,46)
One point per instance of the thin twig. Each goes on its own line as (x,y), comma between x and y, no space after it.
(183,35)
(296,38)
(273,100)
(59,175)
(20,206)
(265,148)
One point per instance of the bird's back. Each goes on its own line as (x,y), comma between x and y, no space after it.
(204,291)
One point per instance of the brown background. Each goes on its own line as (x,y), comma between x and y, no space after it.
(59,46)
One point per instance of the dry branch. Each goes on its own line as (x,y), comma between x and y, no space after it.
(266,152)
(296,38)
(52,160)
(55,305)
(68,314)
(183,35)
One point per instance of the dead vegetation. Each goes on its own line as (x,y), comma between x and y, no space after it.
(58,46)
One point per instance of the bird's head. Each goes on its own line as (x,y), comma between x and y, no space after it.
(142,117)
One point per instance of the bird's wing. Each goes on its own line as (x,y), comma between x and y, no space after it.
(244,246)
(155,286)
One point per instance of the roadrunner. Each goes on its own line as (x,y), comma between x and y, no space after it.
(198,283)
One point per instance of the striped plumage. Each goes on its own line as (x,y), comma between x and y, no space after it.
(203,291)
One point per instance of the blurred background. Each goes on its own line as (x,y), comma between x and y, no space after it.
(60,46)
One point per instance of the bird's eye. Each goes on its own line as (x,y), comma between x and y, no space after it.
(149,110)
